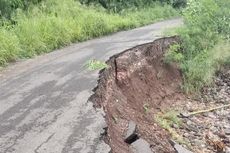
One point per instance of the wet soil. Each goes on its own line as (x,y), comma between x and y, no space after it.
(136,86)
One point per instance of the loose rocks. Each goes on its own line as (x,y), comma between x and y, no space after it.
(141,146)
(131,134)
(179,148)
(208,132)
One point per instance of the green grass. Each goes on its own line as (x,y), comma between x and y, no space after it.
(55,23)
(95,65)
(152,13)
(205,42)
(201,69)
(167,120)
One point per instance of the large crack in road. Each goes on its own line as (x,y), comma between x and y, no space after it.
(134,87)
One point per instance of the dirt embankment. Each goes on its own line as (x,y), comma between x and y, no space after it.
(135,87)
(138,87)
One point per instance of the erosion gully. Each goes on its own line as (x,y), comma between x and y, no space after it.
(138,86)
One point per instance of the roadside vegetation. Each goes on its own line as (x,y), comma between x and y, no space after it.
(121,5)
(29,28)
(205,42)
(168,120)
(33,27)
(95,65)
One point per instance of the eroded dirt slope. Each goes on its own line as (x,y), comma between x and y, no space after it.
(135,87)
(139,86)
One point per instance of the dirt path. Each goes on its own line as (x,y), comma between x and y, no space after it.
(44,104)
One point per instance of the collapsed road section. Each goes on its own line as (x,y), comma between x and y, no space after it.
(134,87)
(147,110)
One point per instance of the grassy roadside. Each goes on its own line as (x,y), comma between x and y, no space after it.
(205,43)
(56,23)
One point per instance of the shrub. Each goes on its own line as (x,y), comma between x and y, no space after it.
(174,54)
(119,5)
(201,70)
(8,6)
(207,23)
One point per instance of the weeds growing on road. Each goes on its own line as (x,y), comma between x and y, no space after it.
(52,24)
(95,65)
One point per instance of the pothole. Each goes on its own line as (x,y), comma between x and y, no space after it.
(138,86)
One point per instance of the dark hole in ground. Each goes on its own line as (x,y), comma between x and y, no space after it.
(136,85)
(132,139)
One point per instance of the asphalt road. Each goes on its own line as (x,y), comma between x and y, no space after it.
(44,105)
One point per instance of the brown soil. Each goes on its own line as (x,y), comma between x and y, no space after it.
(136,86)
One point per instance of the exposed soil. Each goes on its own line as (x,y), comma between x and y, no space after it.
(209,132)
(136,86)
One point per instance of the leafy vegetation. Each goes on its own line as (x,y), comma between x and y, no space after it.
(120,5)
(205,42)
(168,119)
(41,26)
(95,65)
(174,54)
(8,6)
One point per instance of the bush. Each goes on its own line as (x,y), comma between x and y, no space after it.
(175,3)
(207,23)
(201,69)
(8,6)
(119,5)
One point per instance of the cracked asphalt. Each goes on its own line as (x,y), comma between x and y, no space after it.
(44,105)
